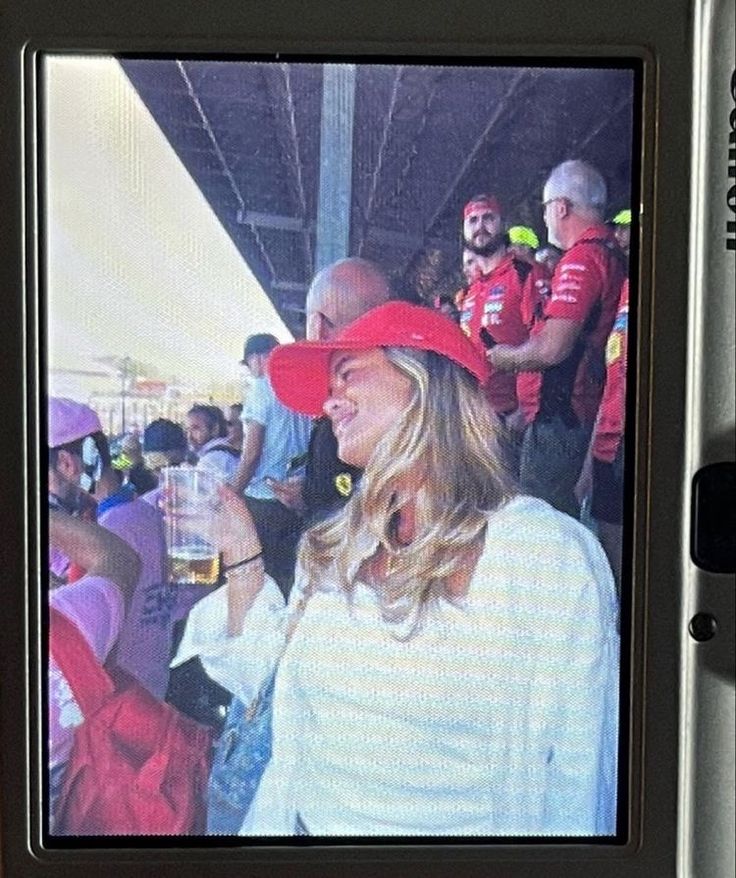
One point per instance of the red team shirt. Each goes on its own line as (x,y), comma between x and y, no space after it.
(609,428)
(503,303)
(585,288)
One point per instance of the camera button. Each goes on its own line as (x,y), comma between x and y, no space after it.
(703,627)
(713,518)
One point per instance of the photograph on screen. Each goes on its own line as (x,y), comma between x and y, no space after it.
(334,378)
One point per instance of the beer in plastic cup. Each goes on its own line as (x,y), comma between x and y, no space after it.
(190,496)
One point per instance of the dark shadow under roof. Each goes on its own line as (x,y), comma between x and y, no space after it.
(426,138)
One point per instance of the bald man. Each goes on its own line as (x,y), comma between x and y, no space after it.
(342,292)
(339,294)
(566,347)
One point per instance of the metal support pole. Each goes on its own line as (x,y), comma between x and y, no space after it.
(335,164)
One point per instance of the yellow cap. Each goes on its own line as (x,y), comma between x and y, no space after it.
(122,461)
(622,218)
(523,235)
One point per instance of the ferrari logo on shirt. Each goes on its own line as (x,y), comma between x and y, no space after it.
(344,484)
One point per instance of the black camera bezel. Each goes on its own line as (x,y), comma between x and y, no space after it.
(566,31)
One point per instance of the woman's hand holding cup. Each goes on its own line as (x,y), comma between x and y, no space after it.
(237,540)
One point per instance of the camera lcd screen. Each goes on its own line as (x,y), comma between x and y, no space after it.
(336,362)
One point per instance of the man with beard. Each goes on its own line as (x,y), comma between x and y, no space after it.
(500,302)
(207,432)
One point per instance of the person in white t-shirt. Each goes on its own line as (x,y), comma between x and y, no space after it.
(448,660)
(274,440)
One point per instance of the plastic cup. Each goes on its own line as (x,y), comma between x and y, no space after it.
(190,496)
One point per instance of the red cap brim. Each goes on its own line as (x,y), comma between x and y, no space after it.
(300,372)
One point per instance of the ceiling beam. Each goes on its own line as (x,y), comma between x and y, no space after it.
(206,124)
(289,286)
(407,240)
(271,221)
(278,83)
(380,157)
(375,234)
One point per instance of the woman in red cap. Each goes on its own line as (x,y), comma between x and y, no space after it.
(448,661)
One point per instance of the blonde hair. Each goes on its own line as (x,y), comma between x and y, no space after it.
(446,443)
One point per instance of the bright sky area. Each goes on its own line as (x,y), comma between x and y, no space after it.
(137,263)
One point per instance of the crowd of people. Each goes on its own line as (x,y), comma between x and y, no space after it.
(413,633)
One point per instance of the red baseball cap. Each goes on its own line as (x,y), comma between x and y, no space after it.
(300,371)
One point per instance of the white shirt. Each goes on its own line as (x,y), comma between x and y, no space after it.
(500,717)
(212,456)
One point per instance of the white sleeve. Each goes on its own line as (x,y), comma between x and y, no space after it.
(273,809)
(576,688)
(219,462)
(240,664)
(551,598)
(258,403)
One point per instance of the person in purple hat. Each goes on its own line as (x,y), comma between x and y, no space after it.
(73,433)
(145,633)
(432,675)
(93,573)
(70,423)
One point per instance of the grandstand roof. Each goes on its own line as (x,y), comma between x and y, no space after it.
(426,138)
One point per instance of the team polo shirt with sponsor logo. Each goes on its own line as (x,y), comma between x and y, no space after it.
(609,428)
(501,305)
(585,287)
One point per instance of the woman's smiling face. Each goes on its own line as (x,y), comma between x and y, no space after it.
(368,395)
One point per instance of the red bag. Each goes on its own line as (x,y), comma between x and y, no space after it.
(137,766)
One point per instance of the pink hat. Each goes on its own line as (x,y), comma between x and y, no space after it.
(300,372)
(69,421)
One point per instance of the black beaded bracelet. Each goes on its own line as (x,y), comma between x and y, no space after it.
(227,568)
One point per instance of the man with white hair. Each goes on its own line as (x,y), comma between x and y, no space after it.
(567,346)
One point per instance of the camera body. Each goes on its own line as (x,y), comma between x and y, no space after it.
(678,667)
